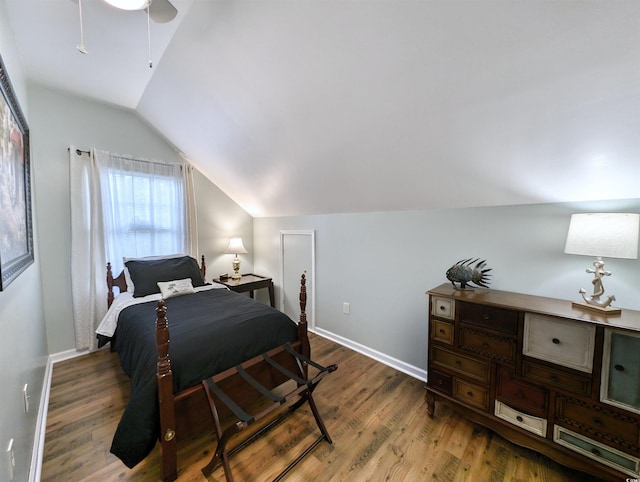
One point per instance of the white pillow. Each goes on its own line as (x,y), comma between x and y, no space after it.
(178,287)
(127,276)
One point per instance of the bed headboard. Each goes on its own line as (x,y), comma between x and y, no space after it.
(120,281)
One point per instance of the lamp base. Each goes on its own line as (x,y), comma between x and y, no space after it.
(603,310)
(236,268)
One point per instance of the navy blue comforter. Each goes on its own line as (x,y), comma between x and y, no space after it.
(210,331)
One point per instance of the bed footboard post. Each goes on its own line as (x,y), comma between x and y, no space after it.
(302,323)
(165,397)
(203,269)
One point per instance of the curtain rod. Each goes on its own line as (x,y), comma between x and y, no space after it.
(129,158)
(80,152)
(148,161)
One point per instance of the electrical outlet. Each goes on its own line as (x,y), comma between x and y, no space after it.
(25,392)
(346,309)
(11,459)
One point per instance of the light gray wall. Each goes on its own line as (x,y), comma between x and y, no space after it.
(382,263)
(220,218)
(23,347)
(59,120)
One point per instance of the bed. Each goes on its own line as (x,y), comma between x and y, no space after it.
(212,330)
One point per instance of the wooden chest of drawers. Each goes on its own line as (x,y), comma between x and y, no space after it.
(543,374)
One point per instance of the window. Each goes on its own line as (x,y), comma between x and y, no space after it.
(122,207)
(144,209)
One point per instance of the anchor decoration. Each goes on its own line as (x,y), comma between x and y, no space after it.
(598,272)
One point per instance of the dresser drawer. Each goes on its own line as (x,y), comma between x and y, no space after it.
(563,342)
(556,378)
(599,423)
(471,394)
(497,347)
(443,307)
(498,319)
(597,451)
(442,331)
(620,384)
(536,425)
(440,381)
(521,395)
(470,367)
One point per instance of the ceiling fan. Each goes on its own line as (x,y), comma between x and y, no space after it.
(160,11)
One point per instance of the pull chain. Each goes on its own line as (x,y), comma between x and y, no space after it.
(81,48)
(149,35)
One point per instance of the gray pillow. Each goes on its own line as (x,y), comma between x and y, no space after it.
(146,274)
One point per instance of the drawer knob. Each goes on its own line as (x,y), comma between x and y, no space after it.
(519,419)
(556,341)
(520,394)
(458,363)
(470,393)
(443,308)
(595,451)
(597,421)
(441,331)
(485,345)
(486,317)
(553,378)
(619,368)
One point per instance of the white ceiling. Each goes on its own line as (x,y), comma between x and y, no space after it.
(321,106)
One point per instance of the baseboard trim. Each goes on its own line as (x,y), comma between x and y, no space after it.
(35,469)
(66,355)
(392,362)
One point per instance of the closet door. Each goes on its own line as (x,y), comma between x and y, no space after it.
(297,251)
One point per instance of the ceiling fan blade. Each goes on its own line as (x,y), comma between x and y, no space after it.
(162,11)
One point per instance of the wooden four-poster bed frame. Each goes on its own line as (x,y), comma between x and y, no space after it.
(185,413)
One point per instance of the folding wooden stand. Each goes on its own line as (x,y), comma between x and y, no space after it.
(304,390)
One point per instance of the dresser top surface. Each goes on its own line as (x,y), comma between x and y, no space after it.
(628,319)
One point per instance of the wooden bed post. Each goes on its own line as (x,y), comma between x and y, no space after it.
(203,269)
(120,282)
(109,285)
(165,397)
(302,323)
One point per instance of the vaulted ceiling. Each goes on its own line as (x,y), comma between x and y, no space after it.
(320,106)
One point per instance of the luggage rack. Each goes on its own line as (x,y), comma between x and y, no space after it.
(304,390)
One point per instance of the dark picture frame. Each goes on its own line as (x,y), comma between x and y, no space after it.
(16,228)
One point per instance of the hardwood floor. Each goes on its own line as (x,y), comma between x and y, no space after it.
(375,415)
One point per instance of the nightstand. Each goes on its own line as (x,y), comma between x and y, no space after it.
(250,282)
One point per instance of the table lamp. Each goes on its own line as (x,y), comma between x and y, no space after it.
(236,247)
(603,235)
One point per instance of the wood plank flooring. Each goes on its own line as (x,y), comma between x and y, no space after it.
(375,415)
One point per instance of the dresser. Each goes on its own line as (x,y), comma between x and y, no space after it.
(562,381)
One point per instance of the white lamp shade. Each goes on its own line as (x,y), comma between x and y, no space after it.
(236,247)
(129,4)
(607,235)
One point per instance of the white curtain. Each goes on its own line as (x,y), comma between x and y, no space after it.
(88,261)
(191,221)
(122,207)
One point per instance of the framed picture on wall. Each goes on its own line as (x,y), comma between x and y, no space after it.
(16,229)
